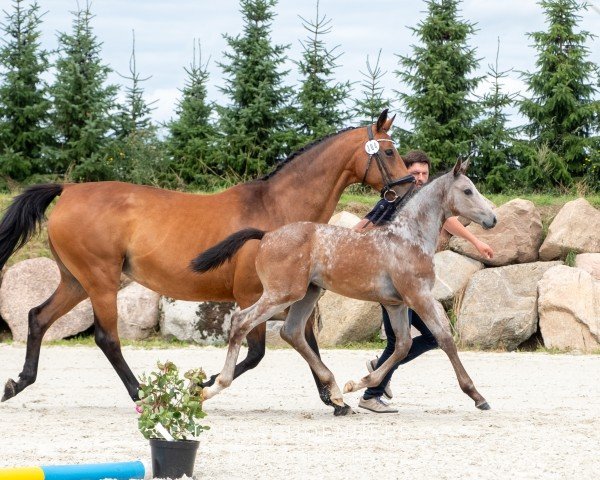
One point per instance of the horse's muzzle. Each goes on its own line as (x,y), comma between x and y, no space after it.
(491,224)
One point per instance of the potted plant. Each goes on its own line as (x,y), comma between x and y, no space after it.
(170,408)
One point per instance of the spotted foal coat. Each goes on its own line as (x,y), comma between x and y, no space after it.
(392,265)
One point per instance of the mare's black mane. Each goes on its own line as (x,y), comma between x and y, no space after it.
(300,151)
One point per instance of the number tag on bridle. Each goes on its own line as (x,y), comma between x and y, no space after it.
(372,147)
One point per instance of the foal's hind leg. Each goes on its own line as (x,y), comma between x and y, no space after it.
(401,326)
(68,294)
(241,323)
(293,332)
(434,316)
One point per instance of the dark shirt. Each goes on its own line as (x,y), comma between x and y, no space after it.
(383,212)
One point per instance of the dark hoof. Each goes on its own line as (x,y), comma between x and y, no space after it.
(10,390)
(326,398)
(484,406)
(342,411)
(210,382)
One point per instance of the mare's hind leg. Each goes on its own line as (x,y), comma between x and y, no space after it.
(293,332)
(68,294)
(401,326)
(241,323)
(433,315)
(107,337)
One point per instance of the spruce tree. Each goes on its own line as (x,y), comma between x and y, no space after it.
(439,73)
(494,161)
(134,113)
(83,104)
(24,105)
(319,101)
(135,153)
(562,112)
(255,123)
(371,101)
(192,140)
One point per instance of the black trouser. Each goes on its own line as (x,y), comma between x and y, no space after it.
(421,344)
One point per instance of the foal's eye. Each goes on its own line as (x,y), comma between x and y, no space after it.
(389,152)
(468,191)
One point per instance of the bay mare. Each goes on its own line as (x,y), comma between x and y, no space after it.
(99,230)
(392,265)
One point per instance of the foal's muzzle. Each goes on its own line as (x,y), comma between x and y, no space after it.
(490,224)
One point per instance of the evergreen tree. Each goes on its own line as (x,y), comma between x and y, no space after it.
(438,73)
(371,102)
(135,153)
(319,99)
(563,115)
(494,160)
(255,123)
(24,105)
(135,113)
(192,137)
(82,103)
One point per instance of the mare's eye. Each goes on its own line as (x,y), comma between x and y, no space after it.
(468,191)
(389,152)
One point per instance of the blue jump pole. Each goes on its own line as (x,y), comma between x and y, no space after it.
(95,471)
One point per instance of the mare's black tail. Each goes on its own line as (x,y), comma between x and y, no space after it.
(216,255)
(24,217)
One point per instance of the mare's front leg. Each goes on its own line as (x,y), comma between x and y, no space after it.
(399,320)
(433,315)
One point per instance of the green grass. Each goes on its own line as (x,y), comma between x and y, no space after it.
(542,199)
(155,341)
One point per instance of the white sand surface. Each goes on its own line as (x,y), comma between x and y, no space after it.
(544,422)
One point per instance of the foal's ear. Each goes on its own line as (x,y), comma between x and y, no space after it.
(457,167)
(461,167)
(382,121)
(465,165)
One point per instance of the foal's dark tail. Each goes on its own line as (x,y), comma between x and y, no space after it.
(24,217)
(216,255)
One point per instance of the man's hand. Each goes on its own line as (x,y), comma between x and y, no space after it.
(484,249)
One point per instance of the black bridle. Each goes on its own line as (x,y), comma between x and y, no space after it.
(386,192)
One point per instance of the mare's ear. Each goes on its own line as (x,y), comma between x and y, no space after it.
(381,121)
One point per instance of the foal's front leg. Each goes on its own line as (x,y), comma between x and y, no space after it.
(401,326)
(433,315)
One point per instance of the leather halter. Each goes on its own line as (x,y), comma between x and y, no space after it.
(386,192)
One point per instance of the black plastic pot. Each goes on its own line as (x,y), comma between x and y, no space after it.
(173,459)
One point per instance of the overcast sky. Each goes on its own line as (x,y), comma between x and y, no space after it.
(165,33)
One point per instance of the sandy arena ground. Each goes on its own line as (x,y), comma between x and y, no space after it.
(544,422)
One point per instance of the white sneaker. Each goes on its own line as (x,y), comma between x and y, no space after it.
(371,366)
(377,405)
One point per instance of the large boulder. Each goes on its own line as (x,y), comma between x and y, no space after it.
(499,307)
(569,309)
(206,323)
(138,311)
(452,273)
(28,284)
(590,262)
(347,320)
(515,239)
(576,228)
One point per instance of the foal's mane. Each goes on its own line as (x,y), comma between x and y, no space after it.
(300,152)
(418,194)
